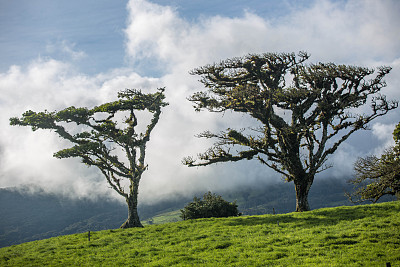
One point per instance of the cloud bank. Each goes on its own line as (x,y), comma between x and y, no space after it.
(160,43)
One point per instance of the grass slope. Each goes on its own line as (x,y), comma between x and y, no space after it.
(365,235)
(27,216)
(165,217)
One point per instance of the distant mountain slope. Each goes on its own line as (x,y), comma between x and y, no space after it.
(281,197)
(26,217)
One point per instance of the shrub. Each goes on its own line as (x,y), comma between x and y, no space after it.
(210,206)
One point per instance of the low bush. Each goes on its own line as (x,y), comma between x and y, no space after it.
(210,206)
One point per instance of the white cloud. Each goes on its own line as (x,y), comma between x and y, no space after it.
(384,132)
(352,32)
(330,31)
(65,48)
(157,38)
(27,156)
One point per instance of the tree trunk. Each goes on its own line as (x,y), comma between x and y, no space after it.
(302,187)
(133,216)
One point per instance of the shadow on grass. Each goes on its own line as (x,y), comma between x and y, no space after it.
(321,217)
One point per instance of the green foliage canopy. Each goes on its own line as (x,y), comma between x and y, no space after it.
(378,176)
(210,206)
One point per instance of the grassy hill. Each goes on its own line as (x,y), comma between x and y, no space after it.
(365,235)
(27,217)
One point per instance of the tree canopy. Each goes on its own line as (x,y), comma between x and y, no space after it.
(100,139)
(210,206)
(375,176)
(305,112)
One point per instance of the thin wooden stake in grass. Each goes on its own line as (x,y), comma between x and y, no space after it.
(89,235)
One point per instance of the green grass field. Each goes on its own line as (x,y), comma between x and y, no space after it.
(171,216)
(367,235)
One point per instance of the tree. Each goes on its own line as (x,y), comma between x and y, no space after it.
(376,177)
(100,141)
(210,206)
(303,111)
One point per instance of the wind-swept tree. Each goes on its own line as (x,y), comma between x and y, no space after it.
(304,112)
(102,138)
(378,176)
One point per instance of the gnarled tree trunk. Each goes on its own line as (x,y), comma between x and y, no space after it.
(133,215)
(302,187)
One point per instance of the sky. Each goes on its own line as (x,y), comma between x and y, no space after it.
(56,54)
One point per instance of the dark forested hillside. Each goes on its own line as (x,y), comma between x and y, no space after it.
(26,217)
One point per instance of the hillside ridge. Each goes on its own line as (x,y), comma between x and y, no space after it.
(27,217)
(358,236)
